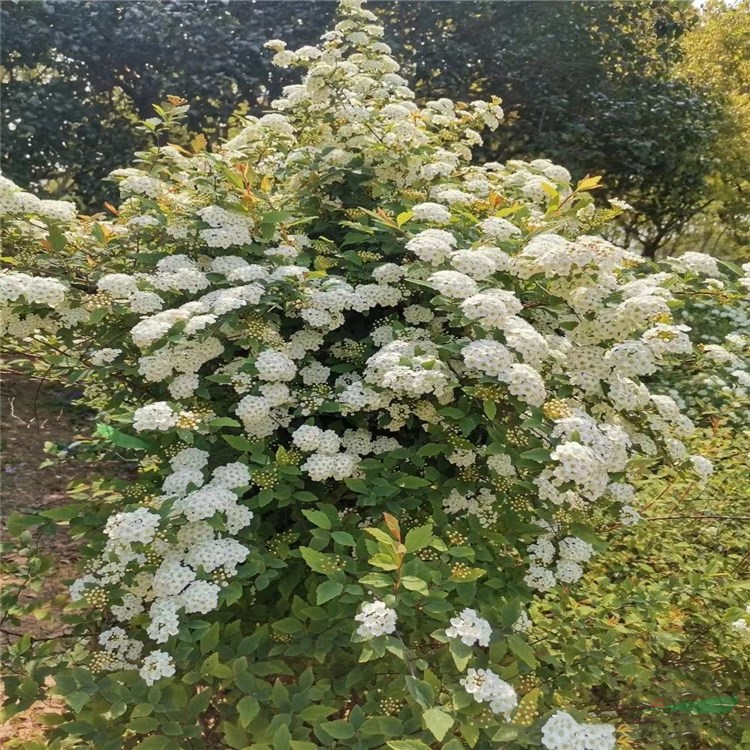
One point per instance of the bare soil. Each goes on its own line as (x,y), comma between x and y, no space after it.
(33,413)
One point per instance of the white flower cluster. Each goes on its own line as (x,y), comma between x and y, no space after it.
(17,202)
(326,461)
(410,369)
(741,626)
(470,629)
(375,620)
(571,552)
(225,228)
(486,687)
(481,504)
(492,359)
(562,732)
(156,665)
(174,584)
(121,651)
(32,290)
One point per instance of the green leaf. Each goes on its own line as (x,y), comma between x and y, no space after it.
(408,745)
(282,738)
(319,561)
(120,439)
(339,729)
(412,483)
(63,513)
(380,535)
(328,590)
(505,733)
(155,742)
(143,725)
(315,714)
(240,443)
(57,239)
(389,726)
(234,736)
(17,522)
(378,580)
(522,650)
(247,708)
(490,408)
(199,703)
(432,449)
(288,625)
(344,538)
(224,422)
(539,455)
(421,691)
(438,722)
(412,583)
(210,638)
(461,653)
(318,518)
(418,538)
(77,700)
(468,575)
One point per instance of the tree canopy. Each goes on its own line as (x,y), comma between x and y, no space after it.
(717,53)
(590,84)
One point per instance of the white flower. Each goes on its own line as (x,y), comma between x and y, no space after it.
(158,416)
(432,245)
(575,549)
(376,619)
(470,628)
(453,284)
(629,516)
(273,365)
(100,357)
(622,205)
(488,357)
(432,212)
(136,526)
(499,230)
(231,475)
(486,687)
(492,308)
(189,458)
(502,464)
(523,623)
(697,263)
(200,596)
(562,732)
(702,467)
(156,665)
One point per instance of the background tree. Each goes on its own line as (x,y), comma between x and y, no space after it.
(717,54)
(77,76)
(588,84)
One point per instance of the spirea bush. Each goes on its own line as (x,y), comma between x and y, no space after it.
(714,386)
(383,398)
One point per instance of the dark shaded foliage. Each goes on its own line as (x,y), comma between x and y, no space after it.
(586,84)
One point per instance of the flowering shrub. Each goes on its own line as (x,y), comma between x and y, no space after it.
(652,631)
(383,399)
(714,385)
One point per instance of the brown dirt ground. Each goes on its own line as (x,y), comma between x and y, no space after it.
(32,413)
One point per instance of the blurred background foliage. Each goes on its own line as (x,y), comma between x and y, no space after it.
(653,95)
